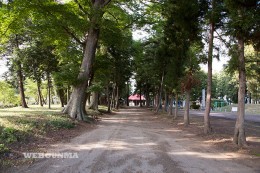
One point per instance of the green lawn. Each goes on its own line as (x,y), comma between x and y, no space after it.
(18,124)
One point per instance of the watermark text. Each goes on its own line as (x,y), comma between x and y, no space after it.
(51,155)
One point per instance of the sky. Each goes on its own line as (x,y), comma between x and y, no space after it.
(3,68)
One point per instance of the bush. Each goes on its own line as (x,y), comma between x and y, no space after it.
(3,149)
(194,106)
(8,135)
(60,122)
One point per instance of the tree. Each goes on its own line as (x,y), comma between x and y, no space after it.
(243,23)
(190,78)
(8,94)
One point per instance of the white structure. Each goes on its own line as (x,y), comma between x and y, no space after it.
(203,99)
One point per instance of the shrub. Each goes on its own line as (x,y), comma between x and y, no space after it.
(8,135)
(194,106)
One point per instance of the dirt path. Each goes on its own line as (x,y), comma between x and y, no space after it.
(135,140)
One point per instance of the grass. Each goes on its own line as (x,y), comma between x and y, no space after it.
(20,127)
(18,124)
(249,108)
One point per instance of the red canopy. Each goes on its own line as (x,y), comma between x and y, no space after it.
(136,97)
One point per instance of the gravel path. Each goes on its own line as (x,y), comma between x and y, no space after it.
(136,141)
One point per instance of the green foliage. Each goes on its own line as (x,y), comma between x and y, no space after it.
(58,122)
(8,135)
(225,85)
(8,95)
(3,149)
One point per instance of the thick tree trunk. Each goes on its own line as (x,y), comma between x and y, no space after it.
(39,93)
(76,105)
(21,86)
(239,135)
(176,106)
(207,127)
(187,109)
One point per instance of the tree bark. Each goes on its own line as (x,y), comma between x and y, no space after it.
(94,101)
(49,89)
(166,103)
(61,95)
(171,105)
(21,85)
(39,93)
(176,106)
(159,102)
(140,95)
(76,105)
(108,99)
(117,97)
(207,127)
(127,94)
(239,135)
(187,109)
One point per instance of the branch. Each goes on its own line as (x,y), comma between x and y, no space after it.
(72,35)
(106,2)
(248,61)
(224,41)
(81,7)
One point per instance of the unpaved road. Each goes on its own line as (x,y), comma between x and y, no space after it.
(134,140)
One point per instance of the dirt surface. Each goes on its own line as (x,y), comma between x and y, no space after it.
(136,140)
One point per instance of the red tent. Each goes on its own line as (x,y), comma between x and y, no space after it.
(136,97)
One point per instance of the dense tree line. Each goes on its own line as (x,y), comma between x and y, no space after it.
(85,48)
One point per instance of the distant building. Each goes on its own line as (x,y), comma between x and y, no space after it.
(134,100)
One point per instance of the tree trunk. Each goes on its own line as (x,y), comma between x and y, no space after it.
(140,96)
(159,102)
(49,89)
(21,86)
(68,94)
(94,101)
(112,104)
(147,97)
(127,94)
(108,99)
(76,105)
(39,93)
(117,97)
(239,135)
(166,103)
(171,105)
(61,95)
(176,106)
(187,109)
(207,127)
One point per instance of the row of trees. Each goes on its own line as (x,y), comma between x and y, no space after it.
(87,45)
(48,41)
(176,48)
